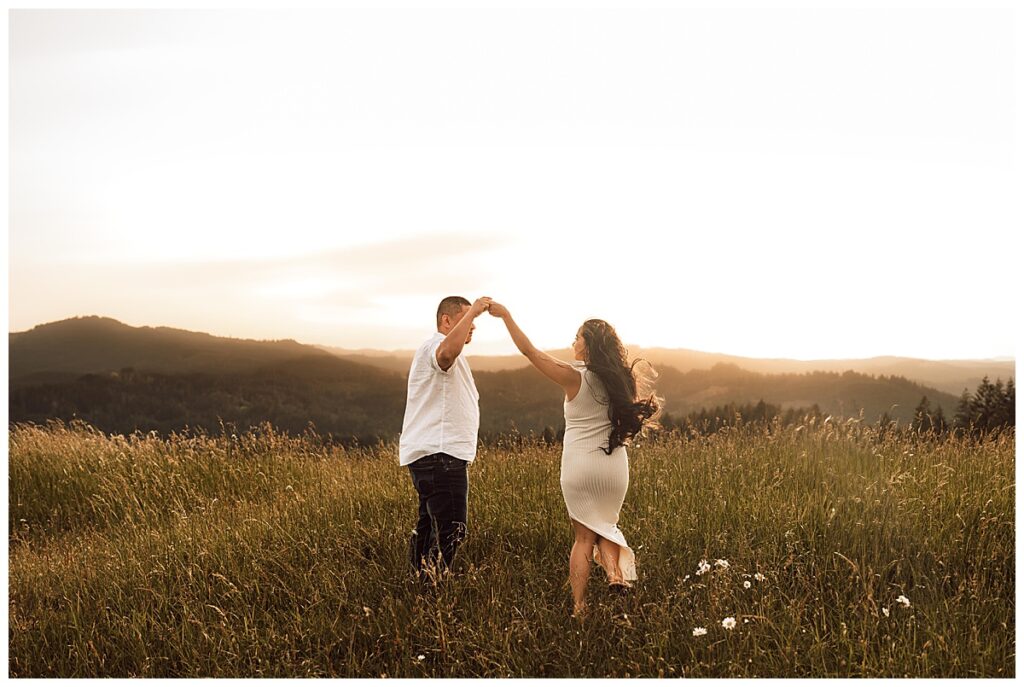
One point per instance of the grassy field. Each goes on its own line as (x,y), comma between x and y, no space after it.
(260,555)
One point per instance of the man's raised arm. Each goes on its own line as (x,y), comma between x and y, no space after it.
(453,343)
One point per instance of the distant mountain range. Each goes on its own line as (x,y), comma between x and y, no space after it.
(122,378)
(950,376)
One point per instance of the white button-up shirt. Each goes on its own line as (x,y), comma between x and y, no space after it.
(442,409)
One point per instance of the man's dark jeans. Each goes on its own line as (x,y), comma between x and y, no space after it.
(442,483)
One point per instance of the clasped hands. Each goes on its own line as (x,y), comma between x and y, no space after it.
(488,304)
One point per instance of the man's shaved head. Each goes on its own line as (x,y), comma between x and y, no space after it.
(450,306)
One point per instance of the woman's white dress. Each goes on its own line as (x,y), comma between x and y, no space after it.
(594,484)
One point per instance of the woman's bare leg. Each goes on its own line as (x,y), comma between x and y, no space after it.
(579,565)
(610,560)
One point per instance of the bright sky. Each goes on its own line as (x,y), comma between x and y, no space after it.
(803,183)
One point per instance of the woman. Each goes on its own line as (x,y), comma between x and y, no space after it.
(602,412)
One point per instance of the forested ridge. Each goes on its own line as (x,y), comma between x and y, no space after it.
(123,379)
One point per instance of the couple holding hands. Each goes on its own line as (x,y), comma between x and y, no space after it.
(607,402)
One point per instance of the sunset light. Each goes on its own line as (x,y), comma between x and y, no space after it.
(621,339)
(824,200)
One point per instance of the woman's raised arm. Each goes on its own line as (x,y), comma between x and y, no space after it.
(558,371)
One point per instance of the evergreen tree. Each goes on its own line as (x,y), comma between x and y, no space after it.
(963,417)
(984,399)
(1010,402)
(548,436)
(999,417)
(922,421)
(993,406)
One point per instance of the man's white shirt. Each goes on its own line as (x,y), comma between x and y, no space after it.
(442,409)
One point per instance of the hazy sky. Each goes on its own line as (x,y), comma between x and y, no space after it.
(773,182)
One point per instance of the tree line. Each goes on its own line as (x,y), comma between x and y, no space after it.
(990,407)
(349,403)
(710,420)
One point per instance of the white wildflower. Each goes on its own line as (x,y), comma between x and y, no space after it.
(700,631)
(703,566)
(746,584)
(722,563)
(759,577)
(885,611)
(729,623)
(420,657)
(903,600)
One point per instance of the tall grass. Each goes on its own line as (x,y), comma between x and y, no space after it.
(264,555)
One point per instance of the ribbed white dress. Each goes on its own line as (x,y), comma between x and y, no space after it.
(594,484)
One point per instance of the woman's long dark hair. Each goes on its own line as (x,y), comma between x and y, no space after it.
(632,405)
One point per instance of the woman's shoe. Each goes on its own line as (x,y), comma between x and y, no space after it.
(619,587)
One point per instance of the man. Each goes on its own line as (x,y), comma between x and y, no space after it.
(439,434)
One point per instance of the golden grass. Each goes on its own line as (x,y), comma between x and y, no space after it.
(263,555)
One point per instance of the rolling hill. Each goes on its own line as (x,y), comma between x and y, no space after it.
(123,378)
(66,349)
(950,376)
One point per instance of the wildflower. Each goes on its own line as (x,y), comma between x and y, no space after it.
(700,631)
(759,577)
(746,584)
(703,566)
(903,600)
(367,611)
(885,612)
(722,563)
(729,623)
(420,657)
